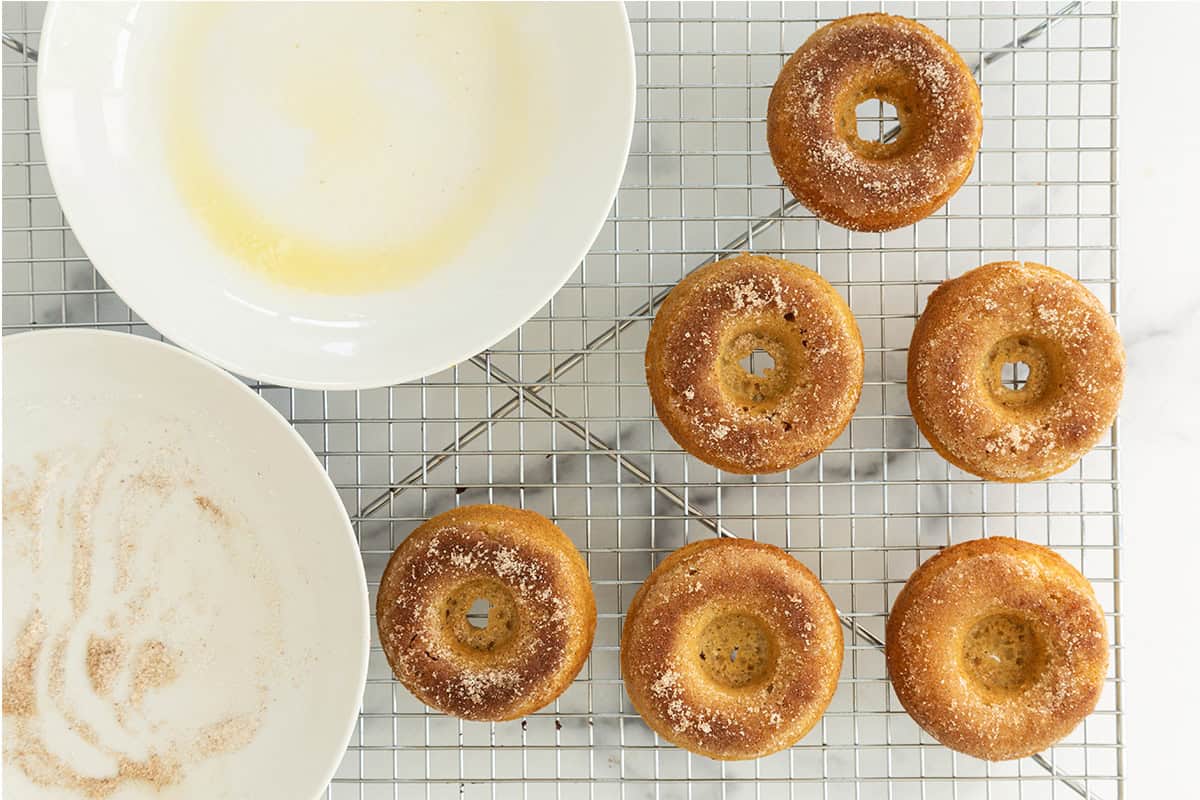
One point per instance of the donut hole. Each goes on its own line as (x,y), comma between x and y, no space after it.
(1019,372)
(477,614)
(758,363)
(875,120)
(736,651)
(480,615)
(1014,375)
(875,114)
(1003,653)
(761,363)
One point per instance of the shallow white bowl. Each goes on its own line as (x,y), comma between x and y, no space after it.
(205,528)
(356,127)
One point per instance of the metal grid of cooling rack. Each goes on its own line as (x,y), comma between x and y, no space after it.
(557,417)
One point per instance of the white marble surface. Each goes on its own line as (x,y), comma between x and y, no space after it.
(1160,418)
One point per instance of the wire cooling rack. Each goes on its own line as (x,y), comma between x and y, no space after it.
(557,417)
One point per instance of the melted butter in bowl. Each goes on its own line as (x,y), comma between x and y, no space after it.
(336,195)
(351,148)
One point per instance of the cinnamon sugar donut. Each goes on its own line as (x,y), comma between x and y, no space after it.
(728,417)
(1009,312)
(731,649)
(812,125)
(540,622)
(997,648)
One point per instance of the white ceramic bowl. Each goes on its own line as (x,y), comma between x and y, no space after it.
(435,173)
(222,622)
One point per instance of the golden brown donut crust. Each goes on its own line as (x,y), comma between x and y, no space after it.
(722,414)
(1004,312)
(540,623)
(680,630)
(928,642)
(812,127)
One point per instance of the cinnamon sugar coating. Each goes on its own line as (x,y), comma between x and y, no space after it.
(731,649)
(747,423)
(967,611)
(812,127)
(1009,312)
(540,623)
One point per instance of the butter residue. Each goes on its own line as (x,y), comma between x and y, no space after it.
(344,125)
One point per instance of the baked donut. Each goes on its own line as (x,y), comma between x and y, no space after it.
(731,649)
(728,417)
(997,647)
(540,620)
(812,124)
(1009,312)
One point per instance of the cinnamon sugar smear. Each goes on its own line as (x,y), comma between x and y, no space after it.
(110,671)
